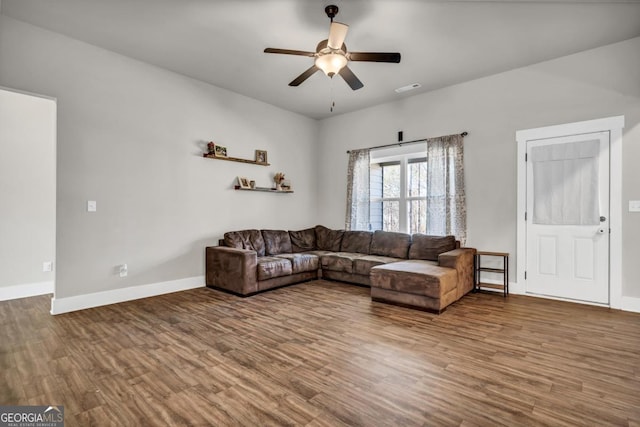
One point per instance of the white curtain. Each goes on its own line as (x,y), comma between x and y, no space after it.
(358,190)
(446,202)
(565,183)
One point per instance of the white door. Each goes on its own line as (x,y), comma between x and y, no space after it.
(567,210)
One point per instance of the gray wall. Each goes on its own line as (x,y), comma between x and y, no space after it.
(27,188)
(593,84)
(130,136)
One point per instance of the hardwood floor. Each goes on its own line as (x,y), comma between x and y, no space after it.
(322,354)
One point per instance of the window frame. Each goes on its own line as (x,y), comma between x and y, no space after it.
(404,200)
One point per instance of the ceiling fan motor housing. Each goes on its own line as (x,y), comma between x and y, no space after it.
(331,11)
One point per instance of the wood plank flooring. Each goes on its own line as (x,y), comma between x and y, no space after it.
(322,354)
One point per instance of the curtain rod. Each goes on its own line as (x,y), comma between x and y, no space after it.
(400,144)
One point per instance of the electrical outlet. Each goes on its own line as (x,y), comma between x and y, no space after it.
(92,206)
(634,205)
(47,266)
(124,270)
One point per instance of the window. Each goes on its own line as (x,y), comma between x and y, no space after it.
(410,189)
(398,195)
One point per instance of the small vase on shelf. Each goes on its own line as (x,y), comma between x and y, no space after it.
(278,178)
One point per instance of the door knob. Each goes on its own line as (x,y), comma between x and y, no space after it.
(601,231)
(603,218)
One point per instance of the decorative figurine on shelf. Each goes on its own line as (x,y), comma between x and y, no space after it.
(212,148)
(278,178)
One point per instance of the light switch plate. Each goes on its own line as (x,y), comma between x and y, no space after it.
(47,266)
(91,206)
(634,205)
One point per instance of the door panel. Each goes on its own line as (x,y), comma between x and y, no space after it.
(568,232)
(547,253)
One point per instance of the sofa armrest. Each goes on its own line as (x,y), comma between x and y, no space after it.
(232,269)
(463,260)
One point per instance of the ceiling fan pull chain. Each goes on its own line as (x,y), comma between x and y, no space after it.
(333,102)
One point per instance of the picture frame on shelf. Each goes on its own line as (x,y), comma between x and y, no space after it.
(261,156)
(244,182)
(211,148)
(286,185)
(220,151)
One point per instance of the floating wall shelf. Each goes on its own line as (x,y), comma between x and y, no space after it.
(235,159)
(265,189)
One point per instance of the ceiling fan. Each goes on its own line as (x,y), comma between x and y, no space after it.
(332,56)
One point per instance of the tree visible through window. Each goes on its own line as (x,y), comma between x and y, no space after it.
(399,195)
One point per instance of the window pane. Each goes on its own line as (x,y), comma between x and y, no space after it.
(391,181)
(391,216)
(417,216)
(417,179)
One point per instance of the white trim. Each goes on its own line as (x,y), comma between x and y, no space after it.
(26,290)
(615,216)
(614,126)
(630,304)
(81,302)
(24,92)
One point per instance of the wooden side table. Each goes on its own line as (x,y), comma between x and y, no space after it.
(504,271)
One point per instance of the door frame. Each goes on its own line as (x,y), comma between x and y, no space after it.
(614,126)
(49,287)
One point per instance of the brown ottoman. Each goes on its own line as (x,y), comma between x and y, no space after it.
(414,283)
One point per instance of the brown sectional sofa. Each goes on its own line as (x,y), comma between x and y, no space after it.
(426,272)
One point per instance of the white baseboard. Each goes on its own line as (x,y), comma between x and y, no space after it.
(26,290)
(81,302)
(630,304)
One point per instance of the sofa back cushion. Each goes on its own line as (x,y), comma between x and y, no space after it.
(391,244)
(429,247)
(245,239)
(276,242)
(356,241)
(303,240)
(327,239)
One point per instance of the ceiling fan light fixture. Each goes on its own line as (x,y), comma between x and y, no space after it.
(331,63)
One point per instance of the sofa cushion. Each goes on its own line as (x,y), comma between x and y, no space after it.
(429,247)
(270,267)
(303,240)
(319,254)
(391,244)
(339,261)
(415,277)
(363,265)
(327,239)
(302,262)
(245,239)
(276,242)
(356,241)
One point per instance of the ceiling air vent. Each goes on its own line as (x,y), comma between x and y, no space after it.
(408,87)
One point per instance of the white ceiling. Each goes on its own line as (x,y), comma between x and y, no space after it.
(442,42)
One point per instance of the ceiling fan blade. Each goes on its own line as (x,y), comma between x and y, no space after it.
(337,34)
(350,78)
(289,52)
(374,56)
(304,76)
